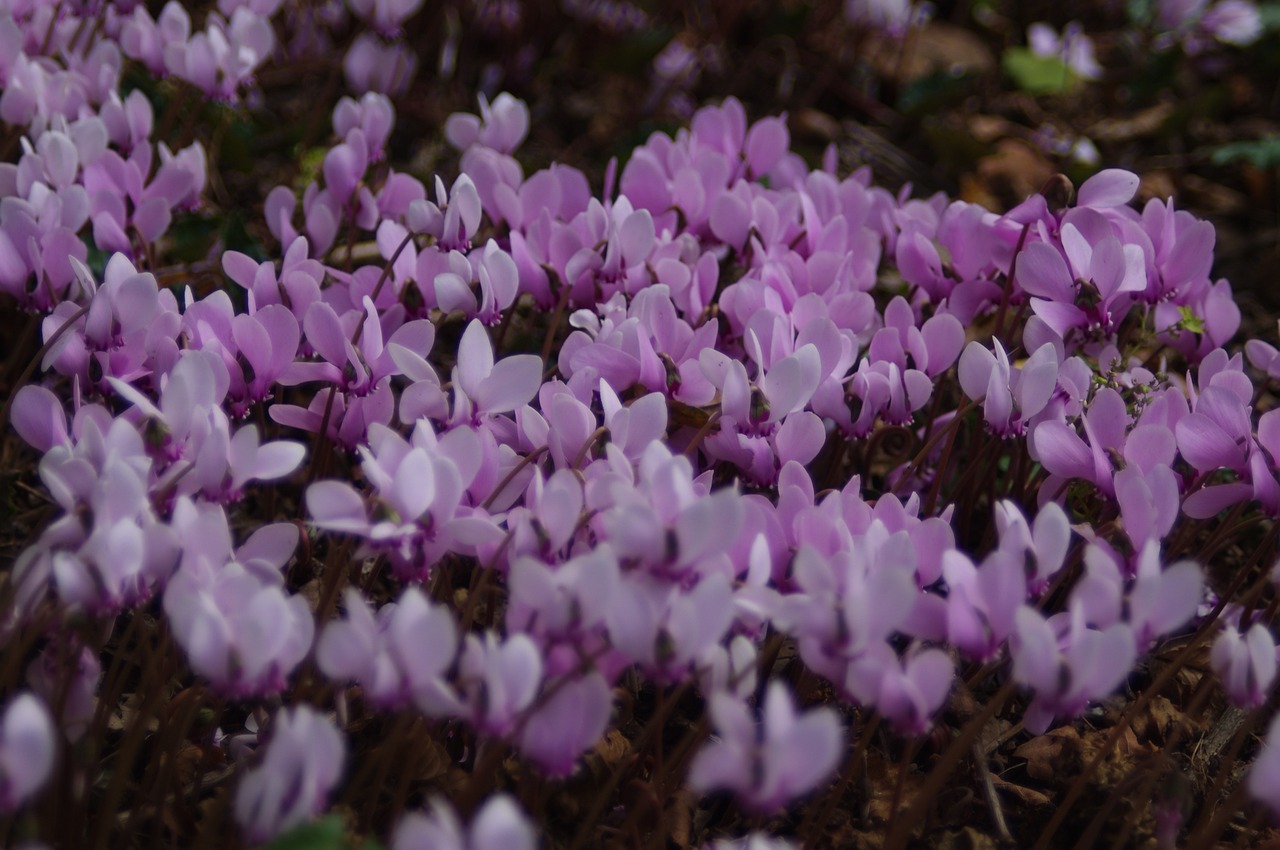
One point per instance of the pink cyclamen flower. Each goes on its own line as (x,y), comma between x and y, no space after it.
(501,125)
(1233,22)
(303,762)
(373,65)
(1067,664)
(1264,776)
(768,765)
(1246,664)
(28,748)
(499,825)
(244,635)
(1073,47)
(399,657)
(571,719)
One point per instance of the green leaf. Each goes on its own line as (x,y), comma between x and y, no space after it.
(934,92)
(325,834)
(1141,12)
(1037,74)
(1269,13)
(1263,153)
(1190,321)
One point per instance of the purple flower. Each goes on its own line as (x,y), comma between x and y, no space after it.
(303,761)
(908,690)
(400,657)
(501,125)
(1073,47)
(373,65)
(559,730)
(385,16)
(28,750)
(498,681)
(892,16)
(770,764)
(1263,781)
(1066,663)
(68,671)
(499,825)
(484,386)
(1246,664)
(1234,22)
(244,635)
(1162,599)
(982,601)
(987,376)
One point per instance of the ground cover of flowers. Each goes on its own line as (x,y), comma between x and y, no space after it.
(705,495)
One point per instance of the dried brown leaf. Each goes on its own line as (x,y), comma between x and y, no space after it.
(1054,754)
(1146,122)
(1162,719)
(678,819)
(127,714)
(967,838)
(1024,795)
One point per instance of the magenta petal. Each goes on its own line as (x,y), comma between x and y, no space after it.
(500,825)
(730,220)
(335,505)
(1168,601)
(574,718)
(636,237)
(1148,446)
(1061,450)
(28,750)
(1205,445)
(38,417)
(1102,660)
(454,294)
(1111,187)
(800,438)
(272,544)
(708,526)
(324,332)
(512,383)
(1043,272)
(475,358)
(1211,501)
(277,459)
(1034,648)
(767,143)
(976,367)
(790,382)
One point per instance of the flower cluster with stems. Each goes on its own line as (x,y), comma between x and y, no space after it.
(568,442)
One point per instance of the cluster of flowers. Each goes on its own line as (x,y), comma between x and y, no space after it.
(655,502)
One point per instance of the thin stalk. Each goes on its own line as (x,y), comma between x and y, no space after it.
(550,340)
(1117,731)
(135,734)
(44,349)
(1150,775)
(1221,776)
(852,771)
(586,447)
(168,744)
(532,457)
(953,427)
(395,751)
(1008,283)
(712,421)
(900,781)
(904,824)
(1207,835)
(601,799)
